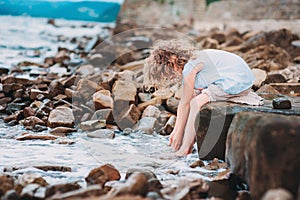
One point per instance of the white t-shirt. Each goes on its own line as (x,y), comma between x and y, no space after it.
(227,70)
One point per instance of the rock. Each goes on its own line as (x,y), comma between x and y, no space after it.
(219,36)
(136,184)
(148,125)
(31,178)
(280,193)
(102,174)
(209,43)
(267,92)
(164,93)
(33,191)
(102,133)
(214,121)
(222,189)
(243,195)
(198,163)
(62,131)
(87,88)
(103,99)
(286,88)
(148,173)
(61,116)
(154,101)
(29,136)
(34,93)
(255,144)
(151,111)
(124,91)
(15,80)
(281,103)
(103,114)
(8,88)
(32,121)
(61,188)
(11,195)
(172,105)
(54,168)
(108,78)
(143,97)
(169,126)
(55,88)
(275,77)
(92,125)
(4,69)
(88,192)
(85,70)
(268,58)
(6,183)
(28,111)
(260,77)
(129,118)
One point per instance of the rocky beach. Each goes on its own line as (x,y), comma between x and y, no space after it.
(77,123)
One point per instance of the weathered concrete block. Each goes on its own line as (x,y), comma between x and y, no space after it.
(263,149)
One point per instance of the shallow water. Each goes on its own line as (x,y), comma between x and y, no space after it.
(20,37)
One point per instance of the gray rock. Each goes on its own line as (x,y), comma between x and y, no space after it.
(101,133)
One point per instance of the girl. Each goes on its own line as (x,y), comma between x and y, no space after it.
(215,75)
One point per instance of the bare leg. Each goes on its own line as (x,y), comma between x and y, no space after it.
(190,132)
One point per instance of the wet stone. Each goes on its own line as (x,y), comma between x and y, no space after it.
(6,184)
(92,125)
(102,133)
(281,103)
(103,174)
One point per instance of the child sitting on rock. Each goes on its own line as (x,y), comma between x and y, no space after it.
(207,75)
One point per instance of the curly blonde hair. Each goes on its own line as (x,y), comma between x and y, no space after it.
(158,70)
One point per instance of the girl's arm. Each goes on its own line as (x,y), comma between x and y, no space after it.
(184,107)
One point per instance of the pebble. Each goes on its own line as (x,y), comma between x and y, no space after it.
(281,103)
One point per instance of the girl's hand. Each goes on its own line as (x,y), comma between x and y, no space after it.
(175,140)
(198,67)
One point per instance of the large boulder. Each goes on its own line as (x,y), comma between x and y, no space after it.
(214,120)
(262,148)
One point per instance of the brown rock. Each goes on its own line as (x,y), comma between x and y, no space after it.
(61,116)
(136,184)
(28,111)
(255,144)
(164,93)
(61,188)
(153,102)
(125,91)
(275,78)
(129,118)
(55,88)
(198,163)
(103,174)
(30,178)
(169,126)
(108,79)
(87,88)
(30,136)
(219,36)
(35,92)
(103,114)
(267,57)
(7,88)
(103,99)
(6,184)
(286,88)
(32,121)
(89,192)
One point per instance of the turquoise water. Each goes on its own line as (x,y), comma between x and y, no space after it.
(85,10)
